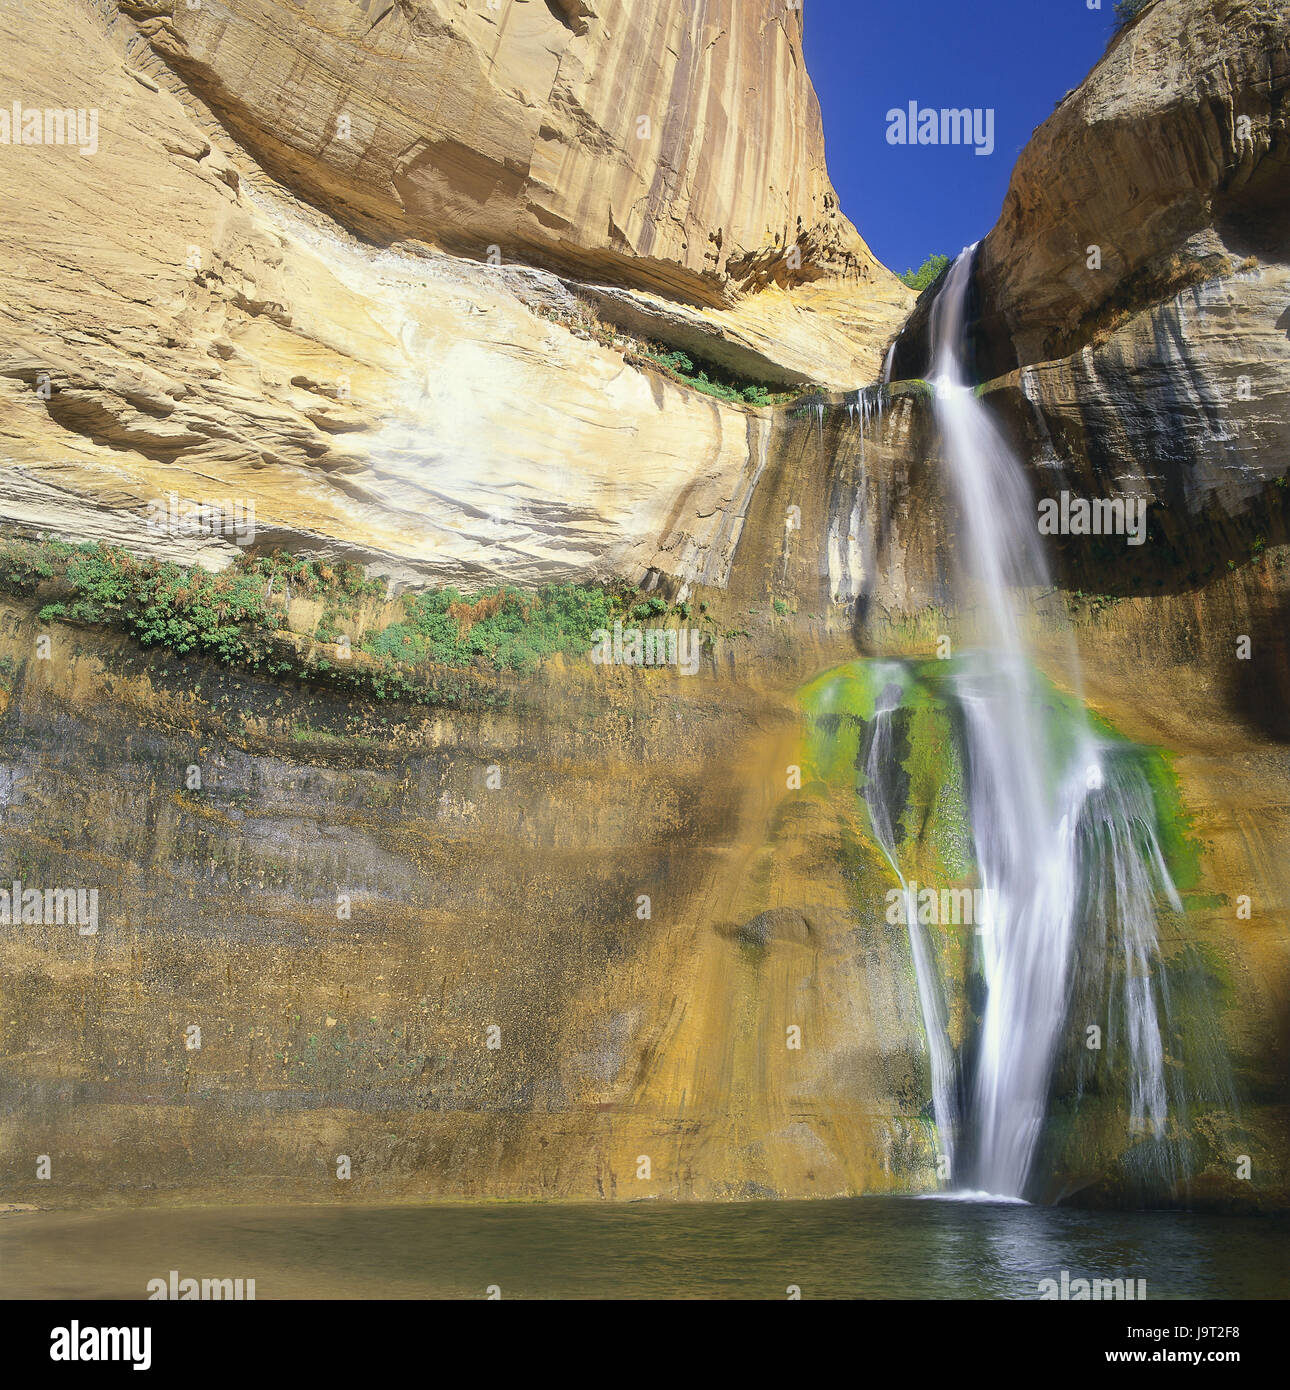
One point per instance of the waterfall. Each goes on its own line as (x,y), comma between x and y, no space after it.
(850,539)
(879,760)
(868,406)
(817,409)
(1124,865)
(1057,999)
(1060,846)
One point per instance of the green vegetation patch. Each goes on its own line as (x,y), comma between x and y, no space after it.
(501,627)
(713,380)
(228,615)
(1126,11)
(436,647)
(839,705)
(583,318)
(926,274)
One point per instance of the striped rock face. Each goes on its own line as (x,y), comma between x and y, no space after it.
(352,289)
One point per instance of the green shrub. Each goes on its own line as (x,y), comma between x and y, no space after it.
(926,273)
(162,604)
(233,616)
(499,627)
(677,362)
(24,565)
(1126,11)
(713,380)
(343,582)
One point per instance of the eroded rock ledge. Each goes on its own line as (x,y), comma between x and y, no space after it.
(175,318)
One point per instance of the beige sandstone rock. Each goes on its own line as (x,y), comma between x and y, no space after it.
(674,147)
(175,320)
(1139,276)
(1172,158)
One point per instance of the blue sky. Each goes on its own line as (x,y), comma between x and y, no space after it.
(1017,57)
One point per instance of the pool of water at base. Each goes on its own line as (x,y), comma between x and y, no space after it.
(866,1247)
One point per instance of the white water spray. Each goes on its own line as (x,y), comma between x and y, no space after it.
(1033,820)
(880,758)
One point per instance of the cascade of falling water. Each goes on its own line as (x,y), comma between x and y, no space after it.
(1036,819)
(850,547)
(867,406)
(1124,864)
(879,759)
(817,409)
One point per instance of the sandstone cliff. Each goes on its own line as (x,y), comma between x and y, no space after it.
(176,318)
(1167,168)
(1132,305)
(673,147)
(411,404)
(1139,274)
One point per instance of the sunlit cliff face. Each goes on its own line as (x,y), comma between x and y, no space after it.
(634,910)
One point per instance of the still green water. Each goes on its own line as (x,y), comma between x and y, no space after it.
(876,1247)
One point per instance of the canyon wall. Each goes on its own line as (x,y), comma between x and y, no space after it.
(1132,300)
(357,894)
(628,917)
(676,148)
(605,943)
(1134,295)
(179,316)
(1168,167)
